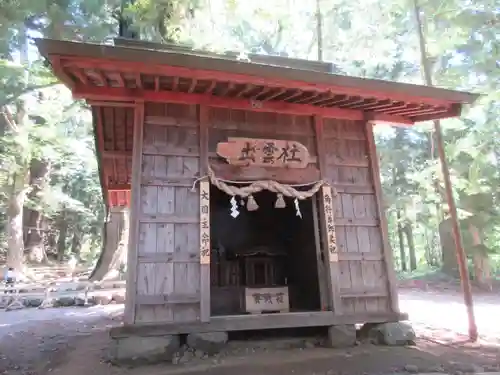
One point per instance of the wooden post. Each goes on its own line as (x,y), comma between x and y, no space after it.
(330,241)
(384,228)
(331,273)
(132,256)
(461,257)
(205,249)
(459,248)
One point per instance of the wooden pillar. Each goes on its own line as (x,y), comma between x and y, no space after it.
(132,255)
(327,229)
(387,251)
(205,249)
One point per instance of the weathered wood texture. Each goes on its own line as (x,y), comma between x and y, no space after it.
(226,123)
(114,132)
(168,269)
(364,286)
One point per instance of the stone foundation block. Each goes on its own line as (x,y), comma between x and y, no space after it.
(341,336)
(208,342)
(393,334)
(144,349)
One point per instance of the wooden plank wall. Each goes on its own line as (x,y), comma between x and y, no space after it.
(168,269)
(225,123)
(363,280)
(168,272)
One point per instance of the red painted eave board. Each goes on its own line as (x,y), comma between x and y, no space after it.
(238,71)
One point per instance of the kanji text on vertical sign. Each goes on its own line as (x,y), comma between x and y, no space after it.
(205,222)
(264,152)
(331,239)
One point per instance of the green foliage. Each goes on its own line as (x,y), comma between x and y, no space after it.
(367,38)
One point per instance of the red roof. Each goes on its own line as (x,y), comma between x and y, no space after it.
(120,75)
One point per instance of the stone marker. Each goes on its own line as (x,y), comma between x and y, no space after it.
(144,349)
(207,342)
(393,334)
(341,336)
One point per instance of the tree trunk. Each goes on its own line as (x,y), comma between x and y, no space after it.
(76,242)
(408,230)
(429,255)
(115,245)
(450,263)
(319,30)
(34,245)
(61,241)
(482,270)
(51,243)
(402,251)
(15,240)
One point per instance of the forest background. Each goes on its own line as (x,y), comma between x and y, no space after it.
(50,199)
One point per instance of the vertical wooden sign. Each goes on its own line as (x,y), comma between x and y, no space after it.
(205,222)
(331,238)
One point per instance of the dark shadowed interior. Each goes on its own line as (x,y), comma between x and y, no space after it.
(269,247)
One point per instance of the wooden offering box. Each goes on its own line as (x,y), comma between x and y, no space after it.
(261,300)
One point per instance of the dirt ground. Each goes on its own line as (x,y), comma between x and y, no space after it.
(72,341)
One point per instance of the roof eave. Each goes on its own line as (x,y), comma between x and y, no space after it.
(49,47)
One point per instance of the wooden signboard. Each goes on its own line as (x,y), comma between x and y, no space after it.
(259,300)
(264,153)
(331,239)
(204,222)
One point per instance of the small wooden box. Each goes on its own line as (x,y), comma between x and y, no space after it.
(261,300)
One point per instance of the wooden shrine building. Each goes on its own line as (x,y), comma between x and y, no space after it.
(253,186)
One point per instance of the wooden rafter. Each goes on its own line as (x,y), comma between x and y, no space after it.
(246,90)
(364,104)
(379,104)
(378,89)
(138,80)
(278,92)
(121,81)
(245,104)
(210,87)
(229,87)
(175,84)
(82,77)
(192,86)
(100,76)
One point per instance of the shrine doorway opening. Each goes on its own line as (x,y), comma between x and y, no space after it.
(262,260)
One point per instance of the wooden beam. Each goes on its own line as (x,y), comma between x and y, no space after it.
(97,93)
(118,187)
(384,228)
(78,73)
(135,209)
(116,154)
(326,220)
(283,175)
(120,80)
(138,80)
(168,219)
(99,129)
(263,76)
(104,103)
(204,192)
(254,322)
(61,72)
(167,299)
(454,111)
(324,273)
